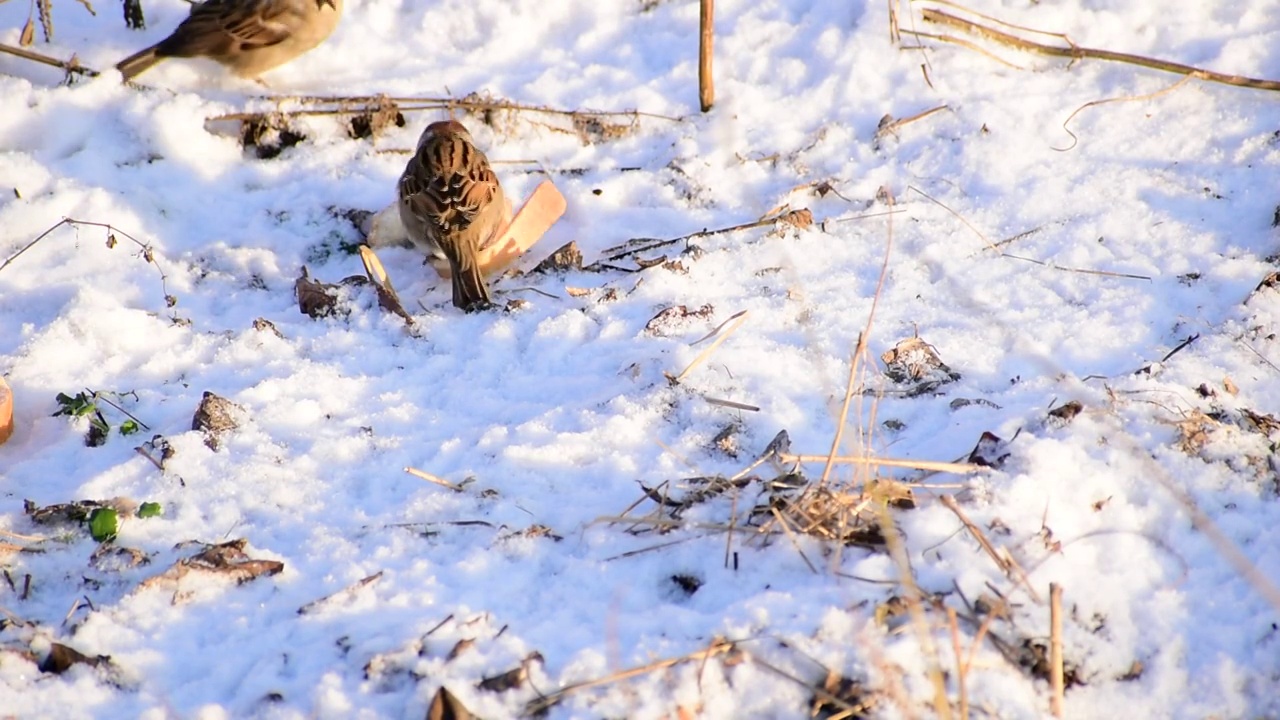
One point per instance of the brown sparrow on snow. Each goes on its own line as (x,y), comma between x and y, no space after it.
(247,36)
(451,204)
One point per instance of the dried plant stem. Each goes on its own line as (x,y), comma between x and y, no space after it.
(930,465)
(433,478)
(1010,568)
(547,701)
(962,668)
(355,105)
(706,43)
(148,253)
(1055,649)
(71,66)
(642,245)
(740,316)
(348,591)
(1075,52)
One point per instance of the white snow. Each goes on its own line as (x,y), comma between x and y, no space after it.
(558,411)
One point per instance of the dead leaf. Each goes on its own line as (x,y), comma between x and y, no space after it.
(315,299)
(375,119)
(226,560)
(215,417)
(387,297)
(460,647)
(799,219)
(1066,412)
(62,657)
(991,451)
(444,706)
(28,35)
(567,257)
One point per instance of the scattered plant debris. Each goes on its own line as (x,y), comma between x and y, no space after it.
(914,361)
(444,706)
(670,320)
(567,257)
(991,451)
(315,299)
(1065,413)
(268,135)
(226,560)
(215,417)
(512,679)
(62,658)
(374,119)
(85,404)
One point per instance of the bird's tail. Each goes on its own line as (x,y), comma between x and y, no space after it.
(469,288)
(138,63)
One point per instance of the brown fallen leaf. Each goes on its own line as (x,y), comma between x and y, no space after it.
(226,560)
(215,417)
(62,657)
(444,706)
(315,299)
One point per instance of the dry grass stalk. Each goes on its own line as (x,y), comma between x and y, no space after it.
(718,647)
(71,66)
(1056,682)
(791,535)
(1075,52)
(740,316)
(889,125)
(434,478)
(348,591)
(962,667)
(1127,98)
(642,245)
(915,607)
(929,465)
(146,252)
(1004,561)
(706,43)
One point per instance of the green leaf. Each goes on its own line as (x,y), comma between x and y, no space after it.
(150,509)
(129,427)
(104,523)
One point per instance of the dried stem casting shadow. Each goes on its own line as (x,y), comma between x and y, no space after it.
(1149,96)
(147,252)
(546,702)
(72,66)
(370,105)
(801,218)
(889,125)
(1075,52)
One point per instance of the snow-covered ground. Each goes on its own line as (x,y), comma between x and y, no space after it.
(1151,507)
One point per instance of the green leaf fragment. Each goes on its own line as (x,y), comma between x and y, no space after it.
(150,509)
(104,523)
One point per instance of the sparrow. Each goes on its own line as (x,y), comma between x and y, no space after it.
(247,36)
(452,205)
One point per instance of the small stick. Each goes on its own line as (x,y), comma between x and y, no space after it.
(1055,649)
(433,478)
(706,40)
